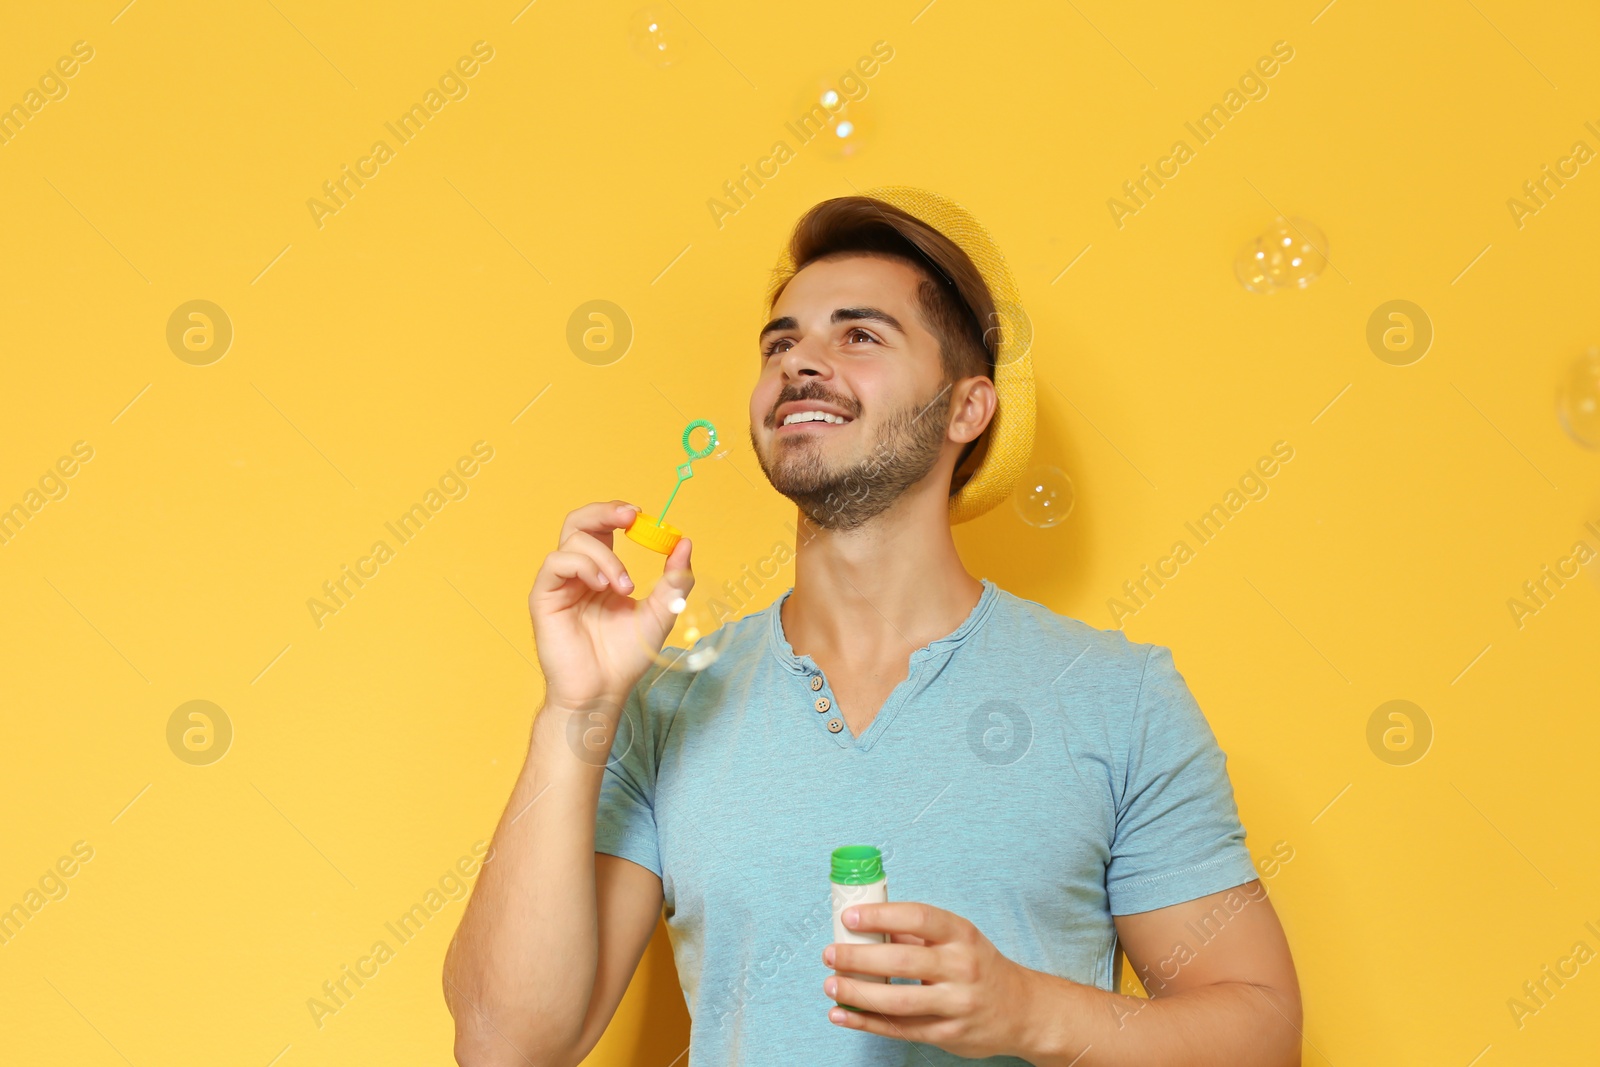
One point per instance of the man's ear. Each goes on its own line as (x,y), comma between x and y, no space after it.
(972,407)
(968,411)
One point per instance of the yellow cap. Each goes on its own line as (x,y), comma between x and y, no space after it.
(656,536)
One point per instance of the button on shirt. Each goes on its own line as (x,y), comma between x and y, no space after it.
(1031,774)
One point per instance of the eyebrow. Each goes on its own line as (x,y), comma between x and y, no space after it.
(787,322)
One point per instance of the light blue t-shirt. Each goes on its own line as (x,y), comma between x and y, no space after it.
(1032,774)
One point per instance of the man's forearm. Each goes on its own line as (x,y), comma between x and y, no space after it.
(520,970)
(1229,1024)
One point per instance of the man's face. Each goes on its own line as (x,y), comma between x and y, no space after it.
(847,339)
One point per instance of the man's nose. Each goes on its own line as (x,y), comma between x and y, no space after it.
(806,357)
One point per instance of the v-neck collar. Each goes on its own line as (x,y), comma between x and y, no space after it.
(802,665)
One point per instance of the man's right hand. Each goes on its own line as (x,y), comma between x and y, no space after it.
(594,640)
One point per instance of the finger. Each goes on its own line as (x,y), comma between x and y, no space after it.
(894,961)
(906,917)
(561,568)
(671,594)
(906,939)
(904,1027)
(678,559)
(608,561)
(598,520)
(885,999)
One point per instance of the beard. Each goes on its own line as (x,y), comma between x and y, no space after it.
(845,497)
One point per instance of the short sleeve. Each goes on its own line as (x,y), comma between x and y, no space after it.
(625,822)
(1178,834)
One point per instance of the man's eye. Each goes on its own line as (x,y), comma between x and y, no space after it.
(773,346)
(856,329)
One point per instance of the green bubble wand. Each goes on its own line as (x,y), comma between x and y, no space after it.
(651,531)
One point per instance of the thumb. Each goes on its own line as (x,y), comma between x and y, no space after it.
(678,560)
(669,596)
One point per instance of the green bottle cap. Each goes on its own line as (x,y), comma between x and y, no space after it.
(857,865)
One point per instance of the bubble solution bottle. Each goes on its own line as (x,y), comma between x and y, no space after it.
(857,878)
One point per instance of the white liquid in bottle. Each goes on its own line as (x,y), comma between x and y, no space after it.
(857,878)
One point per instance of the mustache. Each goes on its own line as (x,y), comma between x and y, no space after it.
(811,392)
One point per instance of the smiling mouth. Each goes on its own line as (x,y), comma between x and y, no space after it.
(802,420)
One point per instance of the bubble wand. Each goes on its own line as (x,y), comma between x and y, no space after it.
(652,532)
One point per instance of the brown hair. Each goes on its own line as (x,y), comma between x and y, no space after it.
(953,298)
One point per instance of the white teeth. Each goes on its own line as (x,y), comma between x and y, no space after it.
(814,416)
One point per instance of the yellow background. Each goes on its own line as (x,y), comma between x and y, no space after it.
(371,753)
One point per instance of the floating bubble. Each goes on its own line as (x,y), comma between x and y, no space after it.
(1289,255)
(1044,496)
(831,117)
(699,633)
(1578,401)
(654,36)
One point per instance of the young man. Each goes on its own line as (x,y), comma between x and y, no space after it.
(1043,792)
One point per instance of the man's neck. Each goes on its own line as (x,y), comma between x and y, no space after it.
(881,590)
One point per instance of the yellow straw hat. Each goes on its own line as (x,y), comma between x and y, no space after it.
(996,463)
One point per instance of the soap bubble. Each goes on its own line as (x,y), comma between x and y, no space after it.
(827,120)
(654,36)
(1578,402)
(1289,255)
(699,635)
(1044,496)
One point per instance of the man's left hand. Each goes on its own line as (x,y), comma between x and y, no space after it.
(972,1000)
